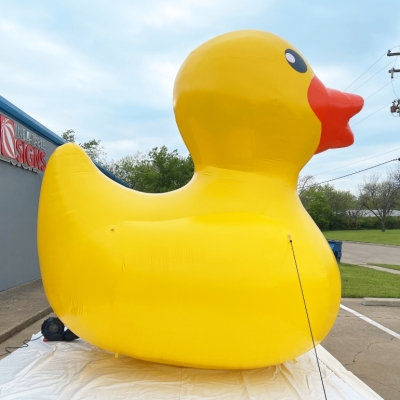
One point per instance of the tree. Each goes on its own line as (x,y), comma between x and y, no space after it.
(158,171)
(92,147)
(394,173)
(69,136)
(326,205)
(380,197)
(94,150)
(317,205)
(305,182)
(356,211)
(340,201)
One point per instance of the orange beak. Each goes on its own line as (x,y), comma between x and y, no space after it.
(334,109)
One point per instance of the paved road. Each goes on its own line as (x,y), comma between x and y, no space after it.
(367,351)
(354,253)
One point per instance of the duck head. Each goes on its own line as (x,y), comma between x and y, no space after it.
(249,101)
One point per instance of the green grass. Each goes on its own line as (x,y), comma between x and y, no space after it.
(365,282)
(391,236)
(390,266)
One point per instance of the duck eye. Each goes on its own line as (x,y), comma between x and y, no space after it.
(295,61)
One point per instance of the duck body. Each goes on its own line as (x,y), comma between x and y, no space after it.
(204,276)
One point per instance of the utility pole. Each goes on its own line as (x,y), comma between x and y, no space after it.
(392,70)
(395,107)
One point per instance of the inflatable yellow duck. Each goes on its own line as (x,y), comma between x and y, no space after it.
(205,276)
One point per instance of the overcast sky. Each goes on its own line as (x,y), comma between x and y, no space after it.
(106,69)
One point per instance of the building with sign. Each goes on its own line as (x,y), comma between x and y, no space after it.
(25,148)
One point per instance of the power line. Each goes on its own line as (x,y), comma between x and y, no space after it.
(391,82)
(391,61)
(356,162)
(353,173)
(383,55)
(370,115)
(377,165)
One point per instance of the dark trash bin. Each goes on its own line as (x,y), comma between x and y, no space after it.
(336,246)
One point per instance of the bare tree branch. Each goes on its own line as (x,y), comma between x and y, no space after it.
(380,197)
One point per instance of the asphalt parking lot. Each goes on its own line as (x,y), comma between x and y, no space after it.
(369,352)
(359,253)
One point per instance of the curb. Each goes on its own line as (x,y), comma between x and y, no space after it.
(372,301)
(24,324)
(371,244)
(382,269)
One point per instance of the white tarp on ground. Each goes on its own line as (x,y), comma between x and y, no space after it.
(77,370)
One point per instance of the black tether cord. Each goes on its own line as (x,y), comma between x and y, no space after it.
(26,341)
(308,318)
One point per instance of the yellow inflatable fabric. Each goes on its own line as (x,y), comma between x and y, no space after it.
(204,276)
